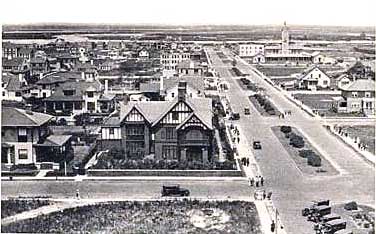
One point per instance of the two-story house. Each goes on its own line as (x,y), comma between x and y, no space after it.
(180,129)
(357,97)
(26,139)
(190,68)
(13,87)
(39,65)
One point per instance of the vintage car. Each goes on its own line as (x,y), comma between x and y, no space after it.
(174,190)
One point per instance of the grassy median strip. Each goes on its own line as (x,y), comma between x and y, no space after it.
(307,158)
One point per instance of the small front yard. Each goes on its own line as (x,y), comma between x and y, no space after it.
(14,206)
(365,133)
(323,104)
(116,160)
(167,216)
(306,157)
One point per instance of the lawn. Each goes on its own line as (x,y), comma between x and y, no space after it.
(11,207)
(323,104)
(365,133)
(168,216)
(271,71)
(325,169)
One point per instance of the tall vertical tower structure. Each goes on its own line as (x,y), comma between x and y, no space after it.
(285,39)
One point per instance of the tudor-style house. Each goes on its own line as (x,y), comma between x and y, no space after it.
(180,129)
(26,139)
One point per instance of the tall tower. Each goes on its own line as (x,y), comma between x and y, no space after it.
(285,39)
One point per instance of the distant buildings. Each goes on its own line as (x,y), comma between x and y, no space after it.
(170,61)
(250,50)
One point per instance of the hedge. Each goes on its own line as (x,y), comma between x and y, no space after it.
(285,129)
(297,141)
(314,160)
(351,206)
(305,153)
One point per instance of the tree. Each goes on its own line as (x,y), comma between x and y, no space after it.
(285,129)
(314,160)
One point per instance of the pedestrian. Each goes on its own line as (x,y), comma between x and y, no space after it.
(78,194)
(270,195)
(252,181)
(257,183)
(272,226)
(262,181)
(264,194)
(238,140)
(249,182)
(247,162)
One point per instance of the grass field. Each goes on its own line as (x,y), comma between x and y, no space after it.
(12,207)
(168,216)
(365,133)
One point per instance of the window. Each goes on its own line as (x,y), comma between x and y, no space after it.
(18,94)
(354,94)
(172,94)
(367,94)
(170,133)
(175,115)
(319,75)
(169,152)
(91,106)
(112,131)
(3,93)
(22,135)
(325,82)
(22,154)
(69,92)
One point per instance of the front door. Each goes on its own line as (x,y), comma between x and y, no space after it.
(194,153)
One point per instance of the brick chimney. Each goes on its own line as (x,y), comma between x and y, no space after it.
(182,90)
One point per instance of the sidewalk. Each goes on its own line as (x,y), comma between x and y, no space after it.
(266,217)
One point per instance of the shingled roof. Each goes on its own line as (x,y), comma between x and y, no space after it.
(360,85)
(154,111)
(13,117)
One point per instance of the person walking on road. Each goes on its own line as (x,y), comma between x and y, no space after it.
(262,181)
(77,194)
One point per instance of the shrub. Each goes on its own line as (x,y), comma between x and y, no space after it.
(285,129)
(314,160)
(305,153)
(351,206)
(296,141)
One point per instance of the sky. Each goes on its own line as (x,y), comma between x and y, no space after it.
(247,12)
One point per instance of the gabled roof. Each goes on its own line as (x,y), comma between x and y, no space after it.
(56,140)
(14,62)
(194,82)
(13,117)
(190,117)
(360,85)
(80,88)
(309,70)
(112,122)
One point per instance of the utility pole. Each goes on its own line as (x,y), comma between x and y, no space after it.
(276,221)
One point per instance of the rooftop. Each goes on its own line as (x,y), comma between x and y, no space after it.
(360,85)
(13,117)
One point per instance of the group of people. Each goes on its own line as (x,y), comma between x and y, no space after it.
(245,161)
(236,137)
(282,115)
(258,181)
(262,195)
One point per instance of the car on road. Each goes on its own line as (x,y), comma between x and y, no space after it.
(235,116)
(174,190)
(246,111)
(257,145)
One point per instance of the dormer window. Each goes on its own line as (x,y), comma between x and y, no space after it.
(69,92)
(90,94)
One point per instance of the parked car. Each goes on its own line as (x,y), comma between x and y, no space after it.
(257,145)
(174,190)
(246,111)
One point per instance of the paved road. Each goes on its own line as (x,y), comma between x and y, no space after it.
(291,189)
(124,189)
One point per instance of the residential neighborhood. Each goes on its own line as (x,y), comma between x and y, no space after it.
(199,129)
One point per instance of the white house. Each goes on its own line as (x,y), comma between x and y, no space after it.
(249,50)
(314,78)
(343,80)
(144,54)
